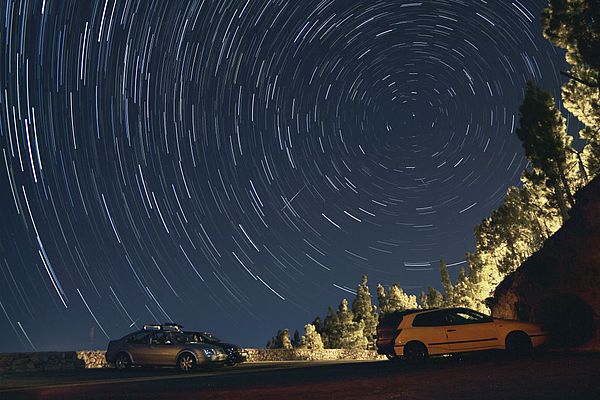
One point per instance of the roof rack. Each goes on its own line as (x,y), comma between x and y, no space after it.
(168,326)
(152,327)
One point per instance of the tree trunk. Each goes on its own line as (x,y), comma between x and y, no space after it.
(561,201)
(565,183)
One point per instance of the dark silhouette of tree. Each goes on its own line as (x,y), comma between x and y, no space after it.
(446,282)
(542,132)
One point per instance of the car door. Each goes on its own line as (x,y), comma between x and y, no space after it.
(470,330)
(430,329)
(162,349)
(136,346)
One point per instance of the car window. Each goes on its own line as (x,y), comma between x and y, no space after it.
(178,337)
(459,317)
(161,338)
(193,337)
(435,318)
(390,320)
(139,338)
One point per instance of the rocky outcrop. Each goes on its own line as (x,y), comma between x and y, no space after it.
(559,286)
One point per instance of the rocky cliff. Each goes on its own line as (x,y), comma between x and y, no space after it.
(559,286)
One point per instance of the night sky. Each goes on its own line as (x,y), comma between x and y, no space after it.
(236,166)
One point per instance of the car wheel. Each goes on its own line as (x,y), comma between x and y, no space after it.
(518,344)
(186,362)
(415,352)
(122,361)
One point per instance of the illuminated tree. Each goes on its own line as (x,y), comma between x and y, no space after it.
(575,26)
(351,333)
(395,299)
(282,340)
(432,299)
(311,338)
(363,310)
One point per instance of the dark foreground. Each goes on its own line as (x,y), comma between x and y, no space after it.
(482,376)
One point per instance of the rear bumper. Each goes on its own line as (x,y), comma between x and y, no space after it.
(110,356)
(385,347)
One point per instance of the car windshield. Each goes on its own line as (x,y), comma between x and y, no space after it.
(210,337)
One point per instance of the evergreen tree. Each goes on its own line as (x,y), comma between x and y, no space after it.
(282,340)
(446,282)
(351,333)
(382,299)
(363,310)
(311,338)
(297,339)
(432,299)
(395,299)
(330,329)
(575,26)
(542,132)
(318,324)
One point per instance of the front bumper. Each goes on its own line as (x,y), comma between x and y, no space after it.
(235,356)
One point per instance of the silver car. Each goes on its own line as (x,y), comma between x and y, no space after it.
(162,345)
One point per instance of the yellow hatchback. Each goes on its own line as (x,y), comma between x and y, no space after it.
(417,334)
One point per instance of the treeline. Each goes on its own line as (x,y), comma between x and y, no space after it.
(530,212)
(353,327)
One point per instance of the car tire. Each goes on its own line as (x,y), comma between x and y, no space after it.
(415,352)
(186,362)
(518,344)
(122,361)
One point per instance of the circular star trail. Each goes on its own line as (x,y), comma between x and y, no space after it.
(236,165)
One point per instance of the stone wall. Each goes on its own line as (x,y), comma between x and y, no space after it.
(70,360)
(51,361)
(255,355)
(559,286)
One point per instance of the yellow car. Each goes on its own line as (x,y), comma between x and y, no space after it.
(417,334)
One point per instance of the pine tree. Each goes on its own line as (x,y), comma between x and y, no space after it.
(297,339)
(382,299)
(575,26)
(351,333)
(282,340)
(397,300)
(330,329)
(446,282)
(311,338)
(542,132)
(364,311)
(432,299)
(318,324)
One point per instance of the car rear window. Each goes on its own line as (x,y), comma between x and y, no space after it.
(390,320)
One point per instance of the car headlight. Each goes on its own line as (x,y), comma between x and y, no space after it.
(209,352)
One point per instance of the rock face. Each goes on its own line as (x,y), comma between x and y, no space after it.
(559,286)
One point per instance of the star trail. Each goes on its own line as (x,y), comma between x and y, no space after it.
(236,166)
